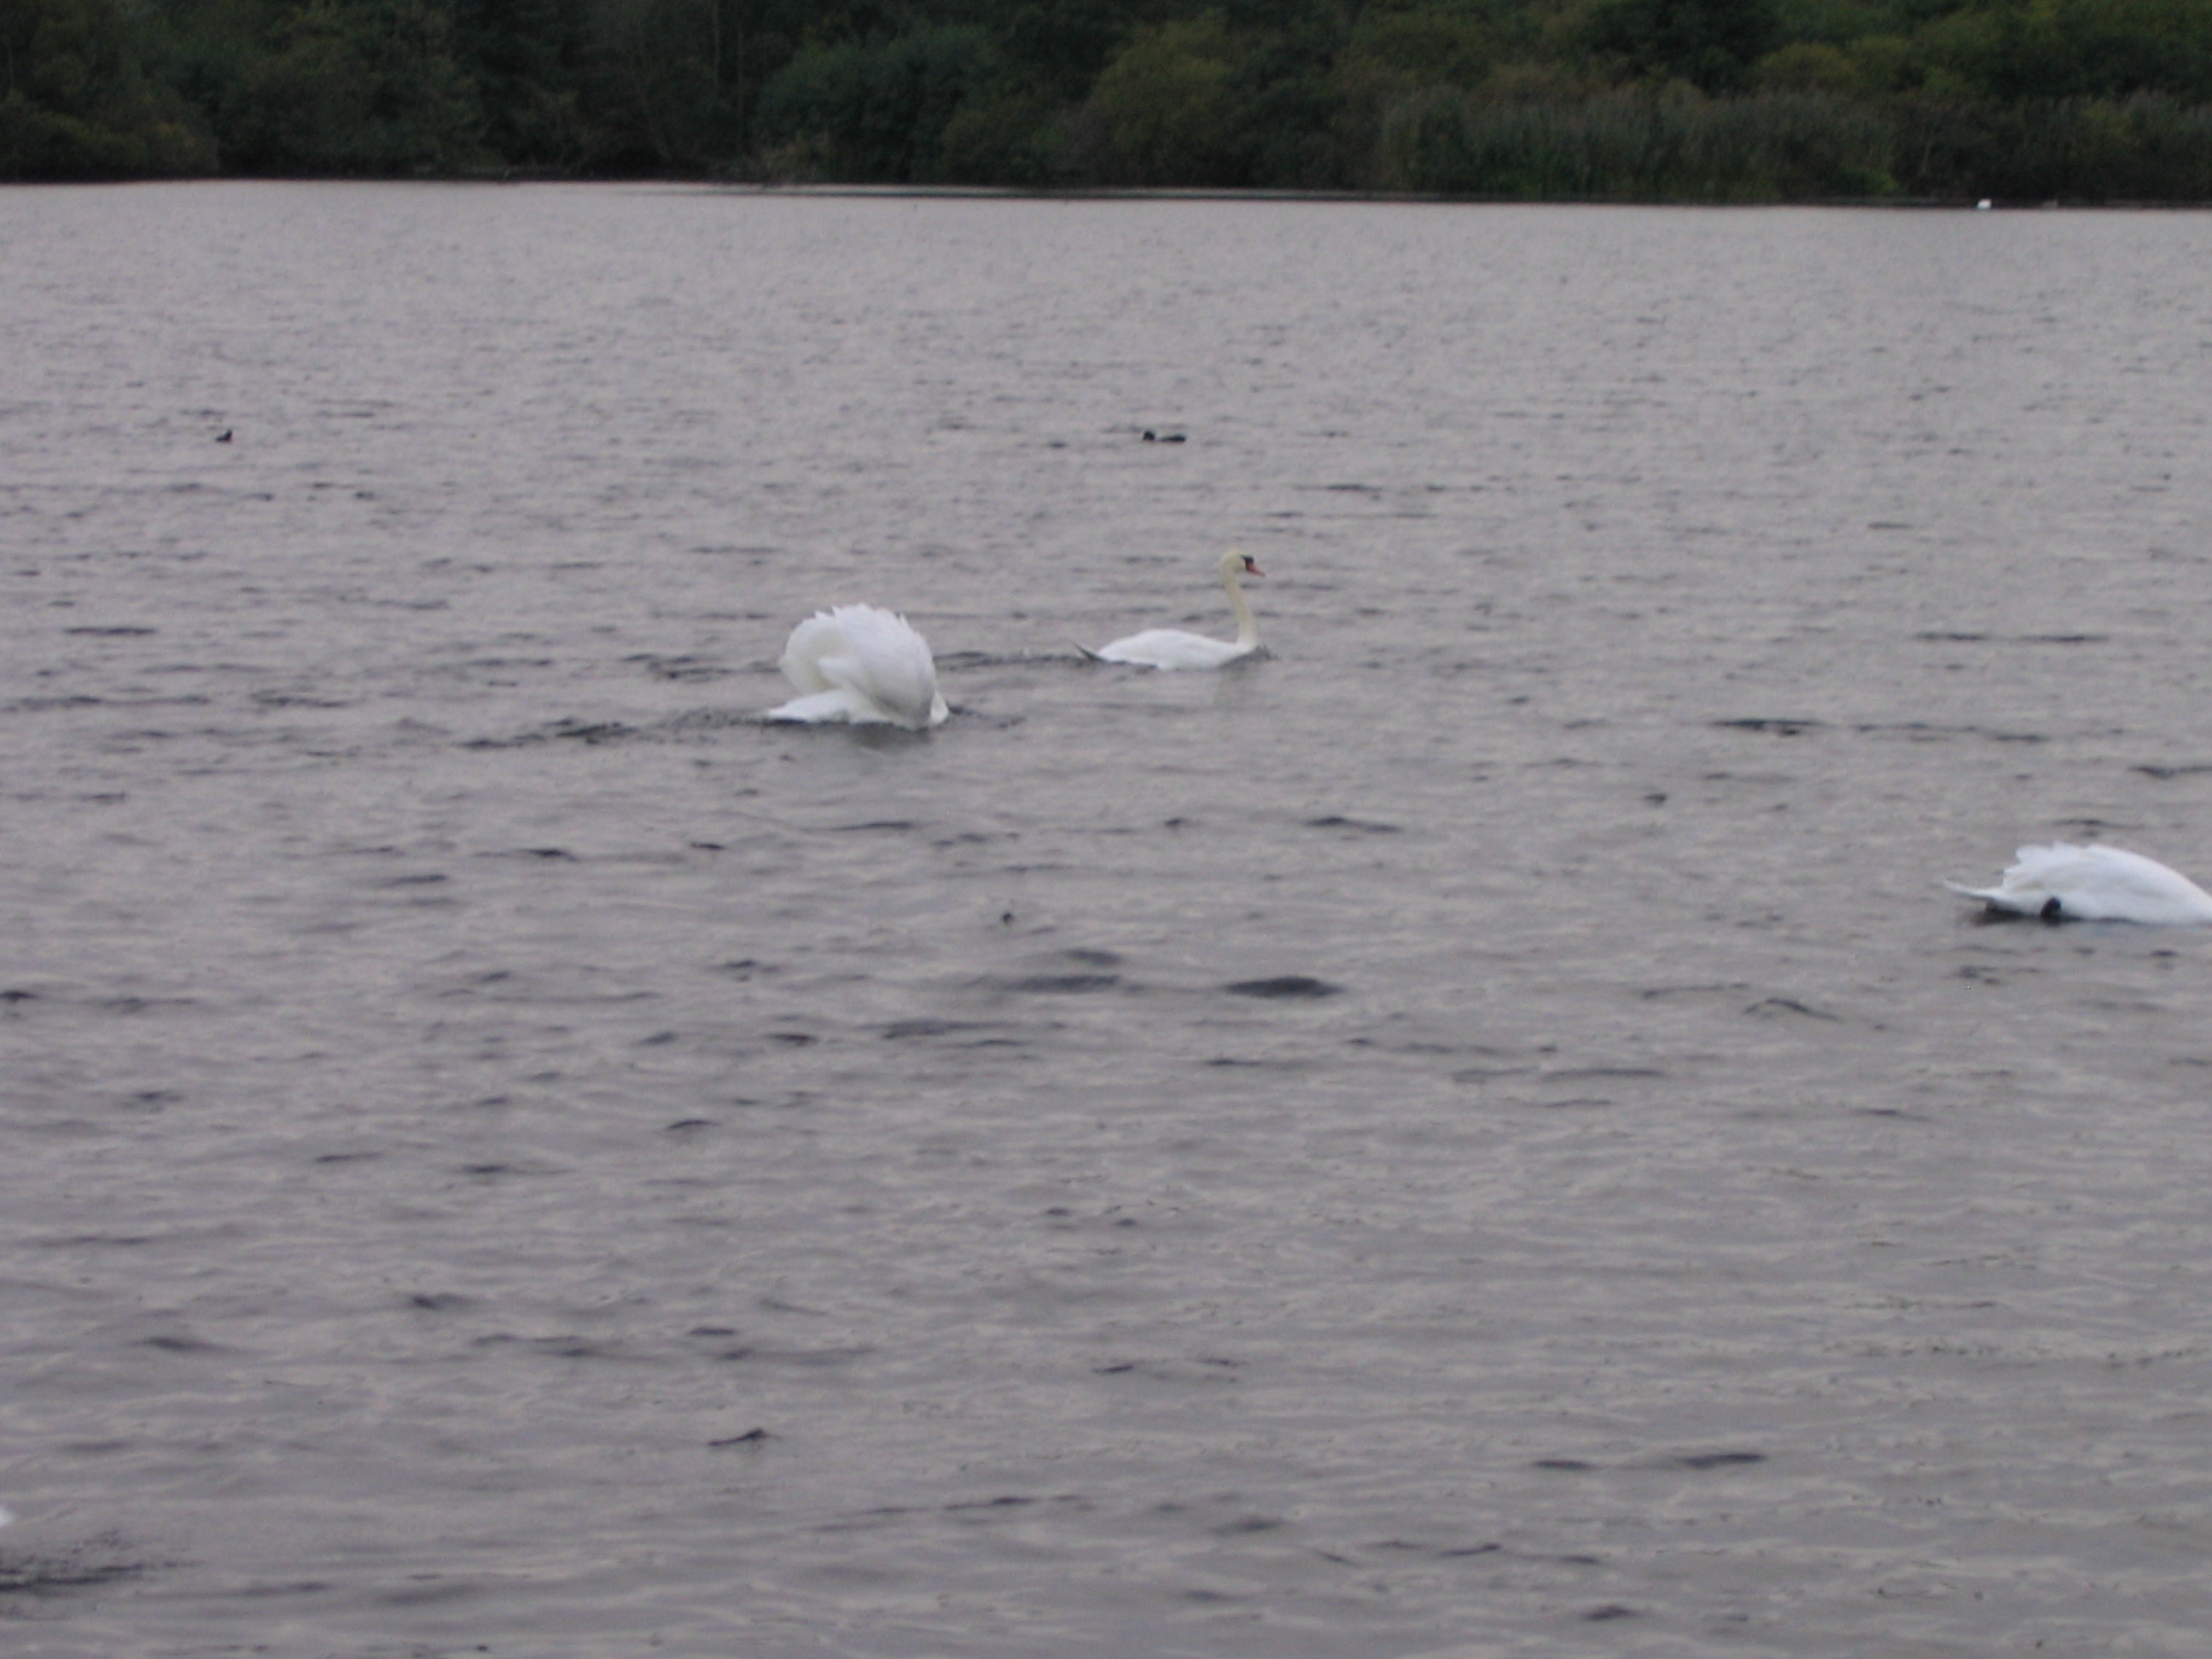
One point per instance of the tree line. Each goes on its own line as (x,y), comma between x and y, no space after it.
(1650,100)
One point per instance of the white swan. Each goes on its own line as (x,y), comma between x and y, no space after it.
(1171,648)
(2061,883)
(857,662)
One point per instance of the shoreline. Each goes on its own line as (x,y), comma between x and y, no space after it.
(1114,193)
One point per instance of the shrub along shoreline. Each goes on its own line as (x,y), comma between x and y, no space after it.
(2087,102)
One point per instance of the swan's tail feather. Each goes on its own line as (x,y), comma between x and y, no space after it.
(2000,901)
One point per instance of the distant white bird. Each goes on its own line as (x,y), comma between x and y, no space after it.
(2062,883)
(1172,647)
(863,664)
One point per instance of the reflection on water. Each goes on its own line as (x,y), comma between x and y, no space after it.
(1478,1133)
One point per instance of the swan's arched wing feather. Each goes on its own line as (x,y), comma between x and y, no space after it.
(2094,884)
(2131,869)
(887,661)
(818,637)
(2129,886)
(869,658)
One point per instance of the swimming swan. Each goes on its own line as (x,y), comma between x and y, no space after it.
(1171,648)
(857,662)
(2062,883)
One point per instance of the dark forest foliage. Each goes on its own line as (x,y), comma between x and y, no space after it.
(1657,100)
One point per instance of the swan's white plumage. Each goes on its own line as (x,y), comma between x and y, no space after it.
(862,665)
(1172,647)
(2094,883)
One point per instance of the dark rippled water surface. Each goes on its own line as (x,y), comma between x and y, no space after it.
(1478,1135)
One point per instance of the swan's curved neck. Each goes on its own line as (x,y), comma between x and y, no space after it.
(1247,626)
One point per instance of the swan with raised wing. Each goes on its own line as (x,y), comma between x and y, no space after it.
(2064,882)
(859,664)
(1173,647)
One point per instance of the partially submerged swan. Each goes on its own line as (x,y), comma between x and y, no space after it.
(2064,882)
(1173,647)
(862,665)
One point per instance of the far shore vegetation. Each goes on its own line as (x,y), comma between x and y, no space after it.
(1691,100)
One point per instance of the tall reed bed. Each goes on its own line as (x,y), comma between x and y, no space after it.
(1673,145)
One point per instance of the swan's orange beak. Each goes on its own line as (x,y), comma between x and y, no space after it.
(1251,568)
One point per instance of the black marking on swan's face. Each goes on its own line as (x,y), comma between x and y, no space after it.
(2050,907)
(1251,568)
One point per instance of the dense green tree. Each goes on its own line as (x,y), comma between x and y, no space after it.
(526,58)
(876,111)
(2076,48)
(1711,44)
(1404,48)
(2098,98)
(76,101)
(1060,45)
(355,87)
(658,79)
(1291,103)
(1008,130)
(1170,109)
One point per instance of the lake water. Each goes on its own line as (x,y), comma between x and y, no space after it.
(1479,1134)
